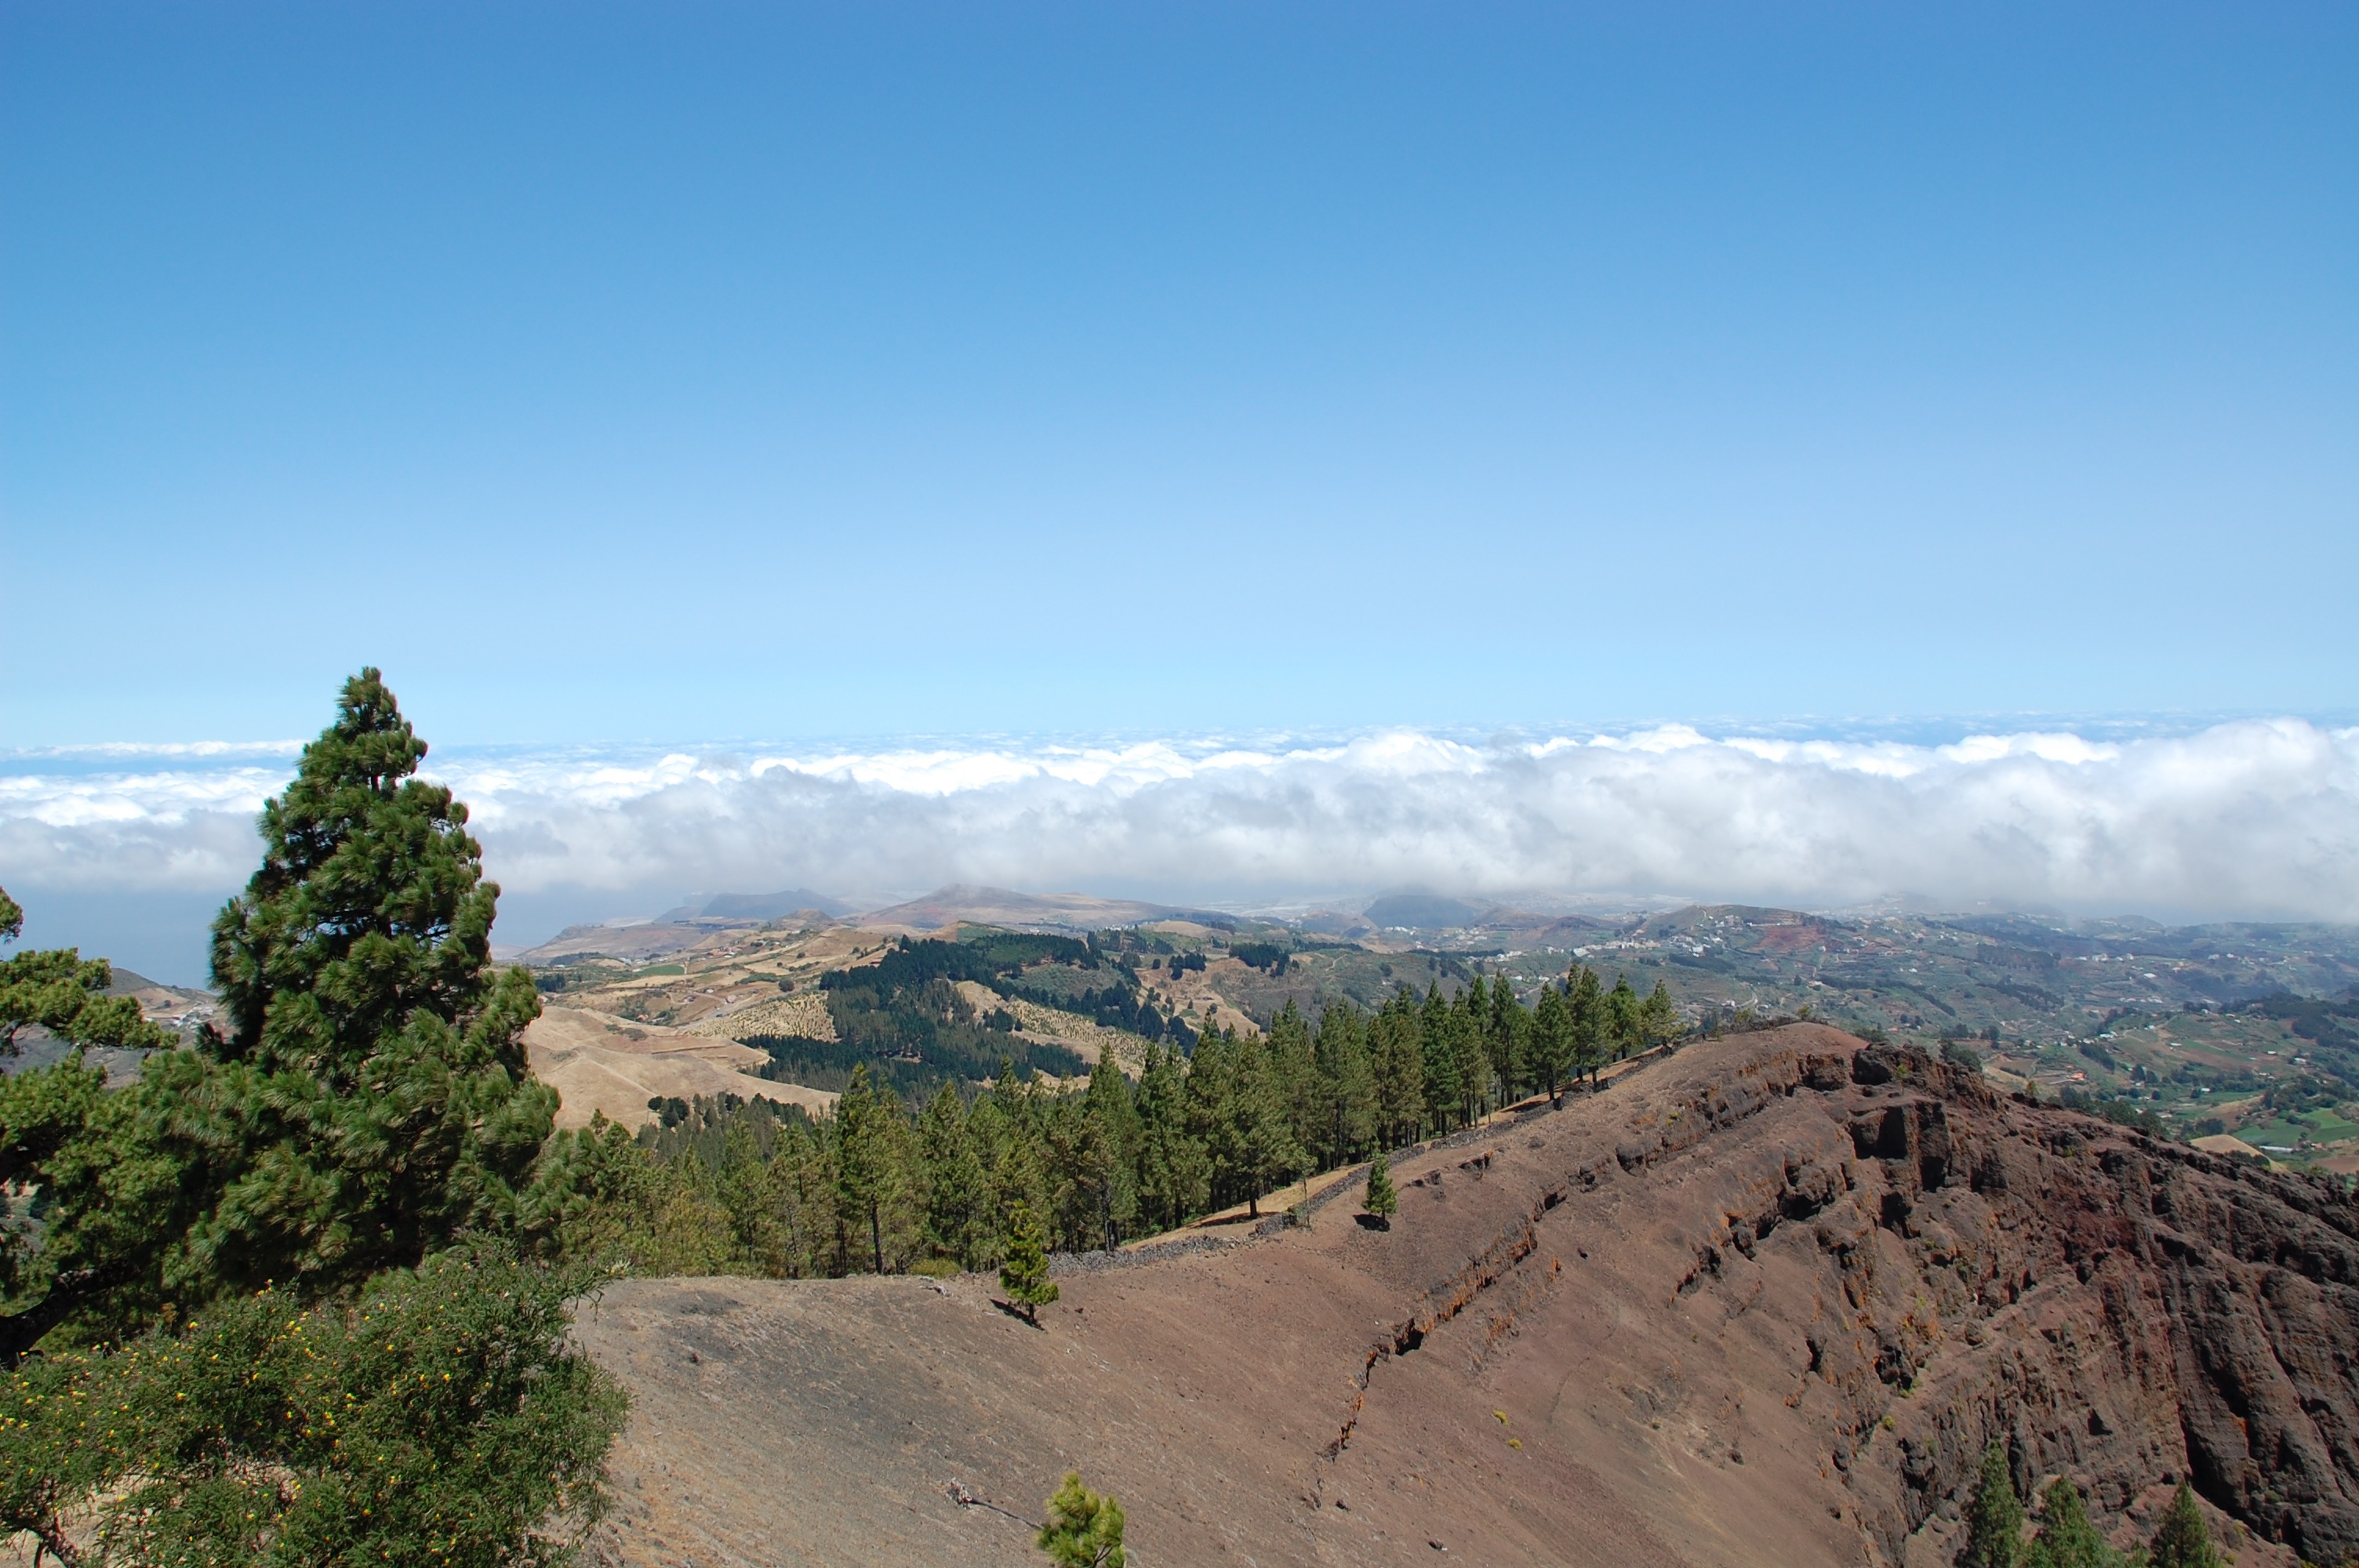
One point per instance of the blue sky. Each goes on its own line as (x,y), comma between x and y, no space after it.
(705,370)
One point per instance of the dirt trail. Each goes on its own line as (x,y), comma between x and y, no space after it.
(1762,1302)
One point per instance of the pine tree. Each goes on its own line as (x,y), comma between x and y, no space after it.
(1551,1041)
(1258,1138)
(862,1160)
(1025,1275)
(1173,1173)
(2068,1538)
(2183,1540)
(1621,1028)
(369,1100)
(957,1190)
(65,994)
(1211,1091)
(1381,1199)
(1088,1140)
(1287,1051)
(1510,1040)
(1084,1530)
(1585,1004)
(1658,1017)
(1347,1090)
(1994,1517)
(1441,1082)
(1399,1068)
(1469,1022)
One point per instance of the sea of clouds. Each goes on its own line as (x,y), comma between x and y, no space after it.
(2253,819)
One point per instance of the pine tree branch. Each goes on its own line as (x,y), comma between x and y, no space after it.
(966,1500)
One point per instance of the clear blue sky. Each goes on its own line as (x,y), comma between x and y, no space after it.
(702,370)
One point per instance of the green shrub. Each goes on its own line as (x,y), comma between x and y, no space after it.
(440,1417)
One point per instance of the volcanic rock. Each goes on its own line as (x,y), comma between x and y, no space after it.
(1765,1301)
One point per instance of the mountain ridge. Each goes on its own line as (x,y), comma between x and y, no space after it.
(1763,1303)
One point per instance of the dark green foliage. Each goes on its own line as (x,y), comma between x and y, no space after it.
(60,991)
(1551,1056)
(372,1053)
(2330,1022)
(2183,1540)
(257,1344)
(1397,1054)
(867,1176)
(2068,1538)
(931,1028)
(438,1417)
(1342,1084)
(904,1018)
(910,966)
(752,1189)
(1381,1198)
(1266,956)
(1445,1084)
(1174,1173)
(1084,1530)
(1252,1141)
(958,1189)
(830,1063)
(369,1101)
(1586,1011)
(1994,1515)
(1658,1017)
(1094,1142)
(1025,1275)
(1625,1030)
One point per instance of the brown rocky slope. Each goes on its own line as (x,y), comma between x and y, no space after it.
(1765,1301)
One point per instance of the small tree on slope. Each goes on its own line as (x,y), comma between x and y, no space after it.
(2067,1537)
(1084,1530)
(2184,1541)
(1382,1200)
(1025,1275)
(1994,1518)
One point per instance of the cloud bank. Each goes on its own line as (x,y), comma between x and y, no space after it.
(2256,820)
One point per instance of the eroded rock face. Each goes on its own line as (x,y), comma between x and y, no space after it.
(2141,1309)
(1763,1303)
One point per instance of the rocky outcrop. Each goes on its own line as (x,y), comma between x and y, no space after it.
(1765,1301)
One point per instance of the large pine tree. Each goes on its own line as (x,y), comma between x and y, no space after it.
(1174,1173)
(1255,1141)
(1551,1056)
(1347,1088)
(1585,1006)
(368,1101)
(1399,1068)
(1444,1077)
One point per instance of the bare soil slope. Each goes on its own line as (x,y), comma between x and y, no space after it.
(1763,1302)
(600,1062)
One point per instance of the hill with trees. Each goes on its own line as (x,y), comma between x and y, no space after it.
(1766,1300)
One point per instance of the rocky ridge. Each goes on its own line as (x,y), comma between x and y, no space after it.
(1764,1302)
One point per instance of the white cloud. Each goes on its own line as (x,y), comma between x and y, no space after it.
(2253,819)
